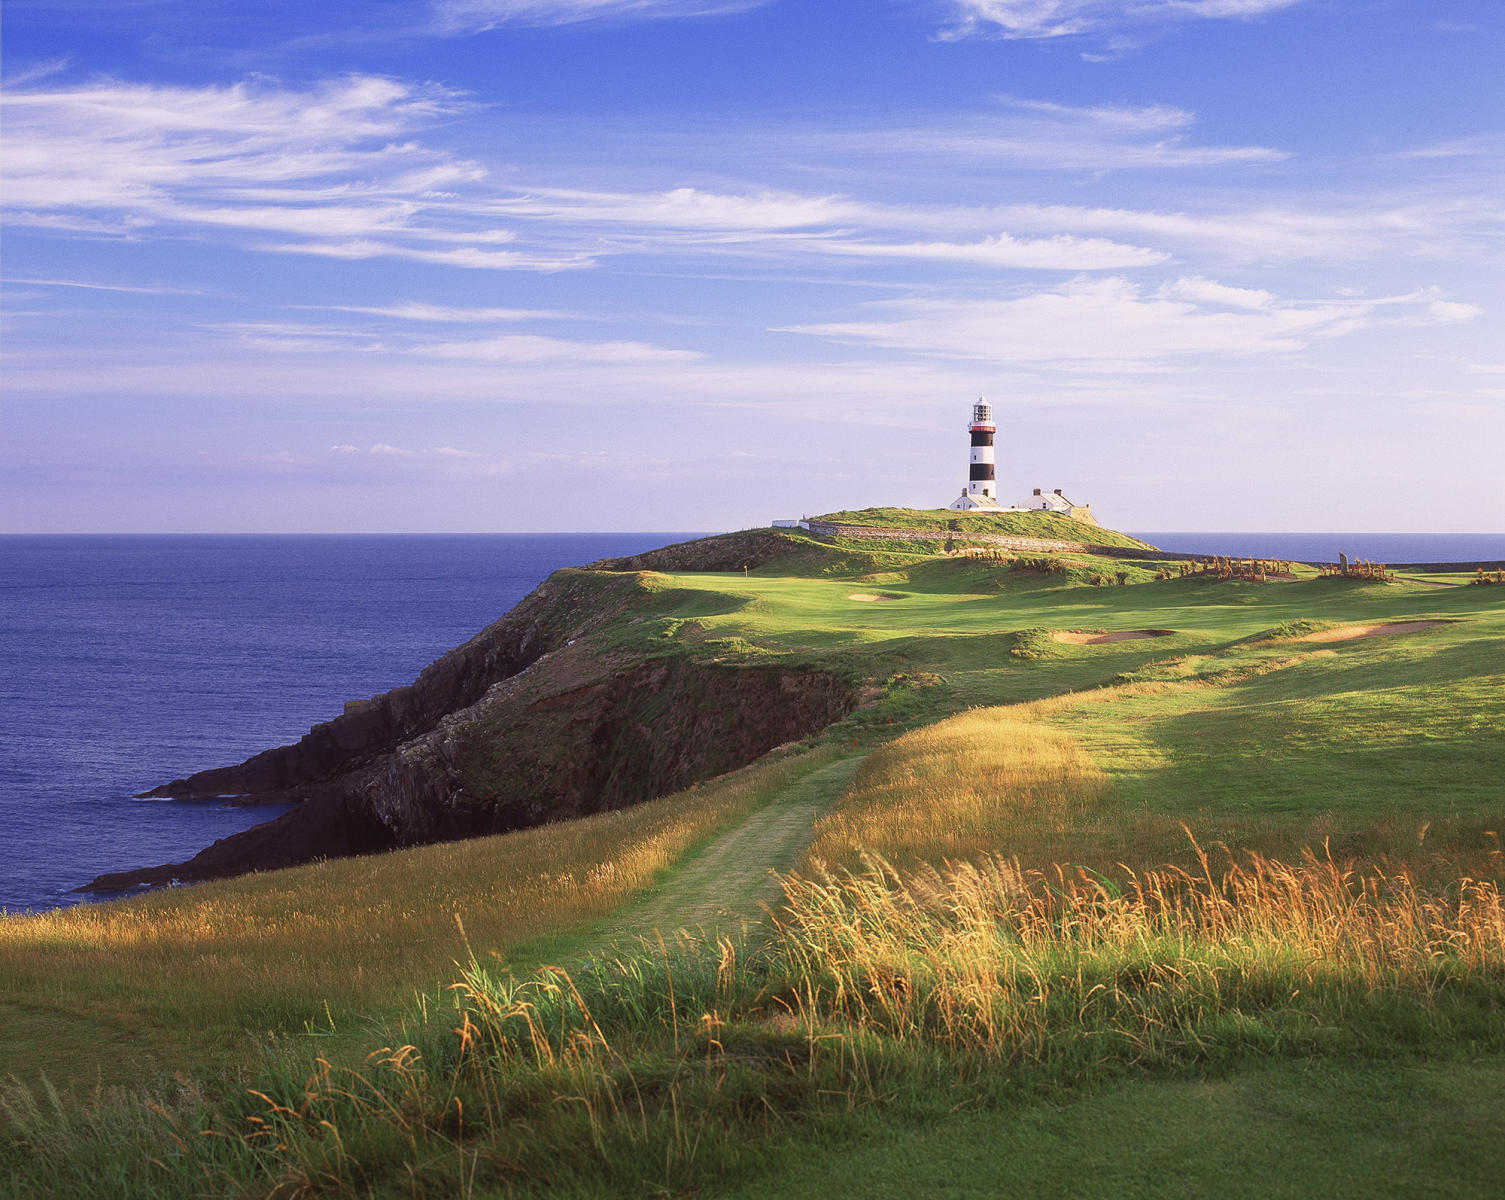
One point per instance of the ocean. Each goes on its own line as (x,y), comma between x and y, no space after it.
(127,661)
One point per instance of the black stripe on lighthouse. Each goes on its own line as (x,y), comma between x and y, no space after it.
(981,471)
(982,437)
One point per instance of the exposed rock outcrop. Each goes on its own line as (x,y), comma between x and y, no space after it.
(529,722)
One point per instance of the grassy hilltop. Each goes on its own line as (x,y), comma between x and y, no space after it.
(1174,885)
(1018,524)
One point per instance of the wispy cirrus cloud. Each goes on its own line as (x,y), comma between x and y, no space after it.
(1062,252)
(476,16)
(535,348)
(338,171)
(386,450)
(1121,323)
(335,168)
(1024,134)
(416,310)
(1067,18)
(1331,228)
(139,289)
(311,337)
(343,170)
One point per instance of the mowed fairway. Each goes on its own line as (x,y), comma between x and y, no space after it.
(1160,899)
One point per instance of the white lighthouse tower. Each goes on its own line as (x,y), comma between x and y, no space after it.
(981,491)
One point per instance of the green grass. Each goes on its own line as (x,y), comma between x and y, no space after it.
(1336,1129)
(802,1058)
(1018,524)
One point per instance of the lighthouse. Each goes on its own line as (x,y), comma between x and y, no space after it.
(980,480)
(982,487)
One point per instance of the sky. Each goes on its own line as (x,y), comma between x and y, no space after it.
(513,265)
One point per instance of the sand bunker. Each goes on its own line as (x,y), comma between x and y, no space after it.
(1348,632)
(1072,638)
(873,596)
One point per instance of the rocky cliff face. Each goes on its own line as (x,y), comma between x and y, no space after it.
(569,603)
(533,720)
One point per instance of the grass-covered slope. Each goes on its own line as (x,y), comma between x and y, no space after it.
(940,521)
(1224,873)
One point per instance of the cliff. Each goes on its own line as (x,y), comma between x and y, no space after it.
(549,713)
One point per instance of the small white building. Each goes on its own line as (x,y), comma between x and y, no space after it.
(975,502)
(1056,502)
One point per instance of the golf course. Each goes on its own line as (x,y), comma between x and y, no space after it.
(1121,875)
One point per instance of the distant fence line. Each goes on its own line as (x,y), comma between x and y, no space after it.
(1031,545)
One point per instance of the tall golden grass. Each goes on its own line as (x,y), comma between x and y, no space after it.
(180,976)
(987,956)
(658,1072)
(959,788)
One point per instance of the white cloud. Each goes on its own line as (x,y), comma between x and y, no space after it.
(474,16)
(386,450)
(1060,253)
(308,338)
(40,70)
(339,170)
(144,289)
(334,167)
(685,208)
(336,170)
(1206,291)
(1023,134)
(1143,118)
(1329,230)
(532,348)
(470,257)
(443,314)
(1451,312)
(1065,18)
(1110,321)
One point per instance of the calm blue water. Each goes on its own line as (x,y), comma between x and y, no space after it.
(128,661)
(1325,547)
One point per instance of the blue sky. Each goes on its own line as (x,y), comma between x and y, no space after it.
(696,264)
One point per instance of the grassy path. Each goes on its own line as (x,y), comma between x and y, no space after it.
(722,885)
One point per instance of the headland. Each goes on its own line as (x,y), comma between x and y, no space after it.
(1125,832)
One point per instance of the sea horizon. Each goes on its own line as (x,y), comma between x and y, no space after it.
(1399,546)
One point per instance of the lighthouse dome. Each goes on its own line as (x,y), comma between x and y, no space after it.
(982,412)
